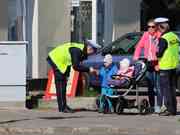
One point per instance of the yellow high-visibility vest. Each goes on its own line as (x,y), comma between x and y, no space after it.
(61,56)
(170,58)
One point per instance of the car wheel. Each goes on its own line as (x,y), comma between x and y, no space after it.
(85,79)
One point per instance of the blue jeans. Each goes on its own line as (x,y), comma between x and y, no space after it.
(153,80)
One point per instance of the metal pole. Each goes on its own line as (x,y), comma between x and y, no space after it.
(35,41)
(137,98)
(94,20)
(24,19)
(108,21)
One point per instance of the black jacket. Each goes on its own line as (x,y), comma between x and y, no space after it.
(77,56)
(163,44)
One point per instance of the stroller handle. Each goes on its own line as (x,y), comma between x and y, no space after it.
(120,75)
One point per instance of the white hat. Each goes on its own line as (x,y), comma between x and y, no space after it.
(108,58)
(161,20)
(124,63)
(93,44)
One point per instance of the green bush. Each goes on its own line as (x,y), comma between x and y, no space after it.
(91,92)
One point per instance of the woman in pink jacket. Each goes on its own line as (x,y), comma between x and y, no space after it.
(148,46)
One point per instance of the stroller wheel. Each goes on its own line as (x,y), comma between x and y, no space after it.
(144,106)
(120,105)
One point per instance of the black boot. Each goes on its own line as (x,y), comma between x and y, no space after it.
(68,110)
(167,113)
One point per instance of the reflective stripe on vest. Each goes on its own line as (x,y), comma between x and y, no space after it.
(61,56)
(170,58)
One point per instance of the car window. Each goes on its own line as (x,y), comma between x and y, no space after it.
(125,46)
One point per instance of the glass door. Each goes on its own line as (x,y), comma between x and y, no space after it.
(16,20)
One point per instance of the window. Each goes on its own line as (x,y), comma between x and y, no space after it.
(126,45)
(16,20)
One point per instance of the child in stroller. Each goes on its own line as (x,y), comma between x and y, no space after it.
(123,76)
(126,77)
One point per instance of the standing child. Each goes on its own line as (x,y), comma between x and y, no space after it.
(105,73)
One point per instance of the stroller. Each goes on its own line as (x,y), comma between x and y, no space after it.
(118,102)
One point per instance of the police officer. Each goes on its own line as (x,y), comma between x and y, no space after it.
(61,59)
(168,61)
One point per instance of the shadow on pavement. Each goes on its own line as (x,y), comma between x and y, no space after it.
(12,121)
(55,118)
(84,110)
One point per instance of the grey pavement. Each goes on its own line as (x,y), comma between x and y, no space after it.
(48,121)
(51,122)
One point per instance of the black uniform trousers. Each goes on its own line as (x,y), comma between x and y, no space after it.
(168,89)
(60,83)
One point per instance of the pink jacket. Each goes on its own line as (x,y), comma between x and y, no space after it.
(149,44)
(128,72)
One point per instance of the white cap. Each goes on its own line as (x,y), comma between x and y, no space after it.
(161,20)
(108,58)
(124,63)
(93,44)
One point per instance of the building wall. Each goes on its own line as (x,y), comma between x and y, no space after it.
(126,17)
(54,28)
(54,25)
(4,20)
